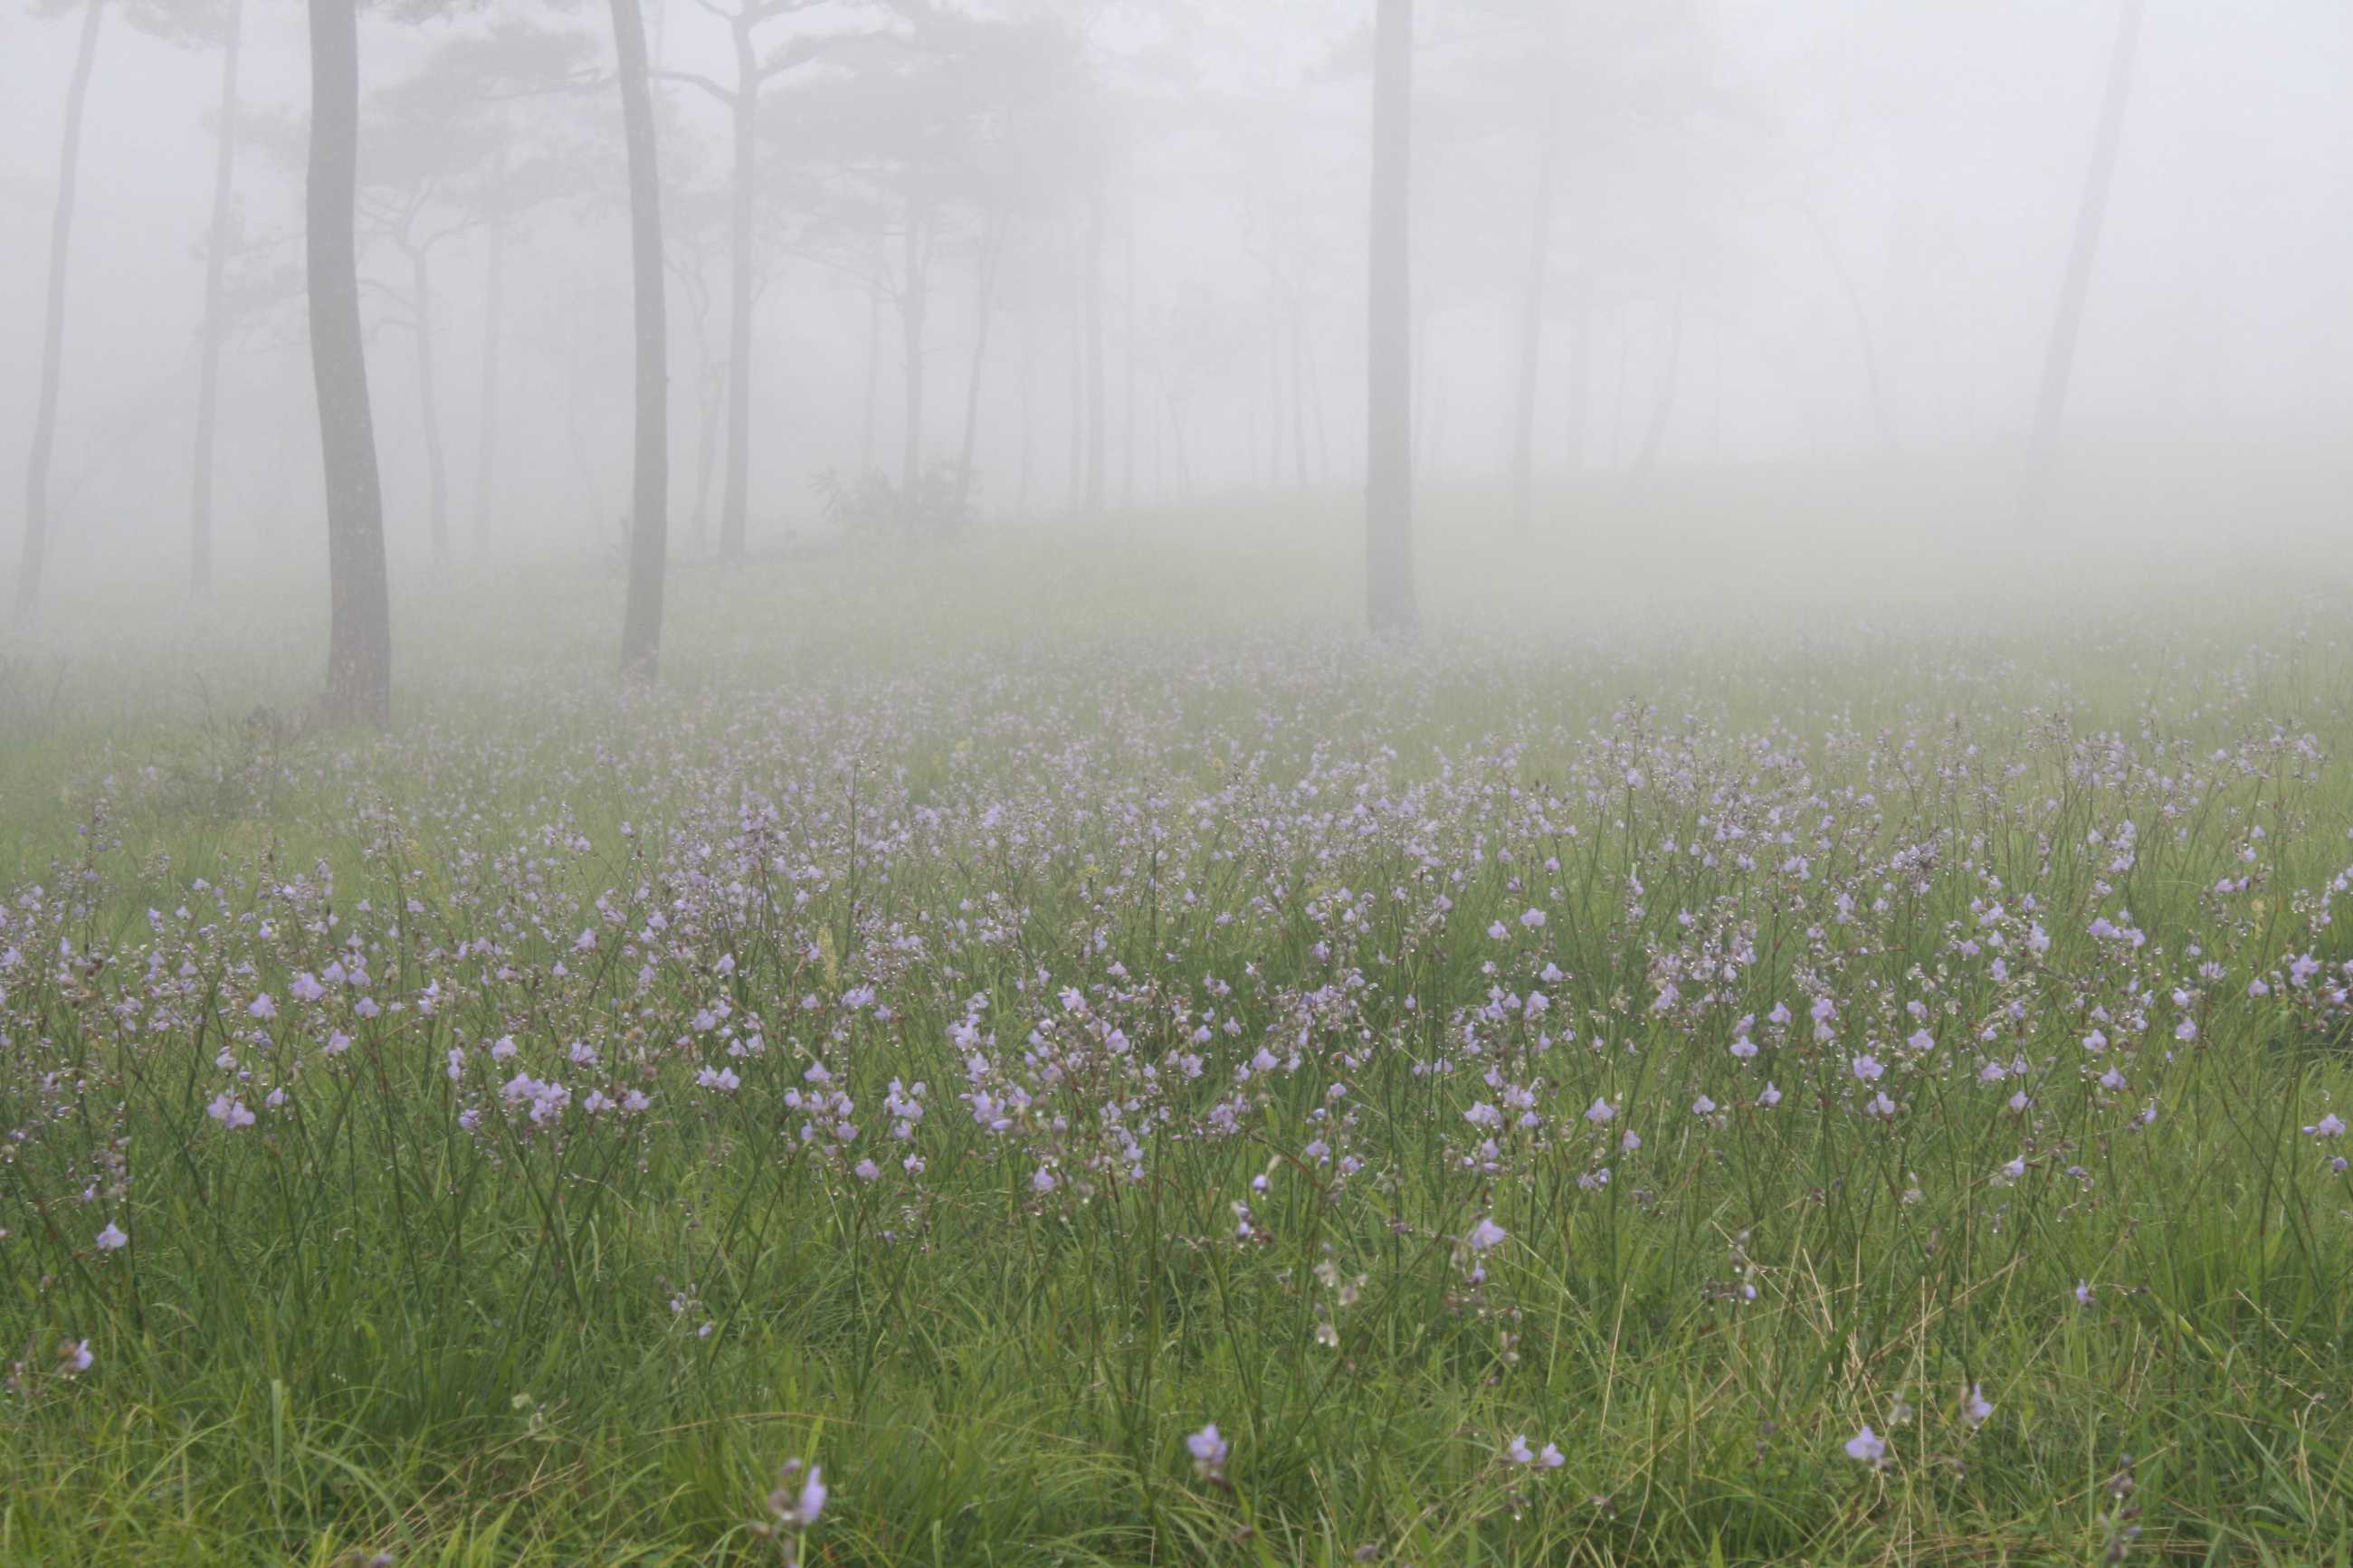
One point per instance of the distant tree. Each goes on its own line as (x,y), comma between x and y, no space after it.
(221,240)
(641,620)
(2091,213)
(934,141)
(754,71)
(45,409)
(1388,479)
(359,637)
(441,162)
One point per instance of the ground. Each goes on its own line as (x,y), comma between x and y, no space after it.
(1720,1052)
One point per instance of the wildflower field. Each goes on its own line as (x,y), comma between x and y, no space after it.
(1798,1076)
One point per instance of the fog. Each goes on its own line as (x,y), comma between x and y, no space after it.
(1804,237)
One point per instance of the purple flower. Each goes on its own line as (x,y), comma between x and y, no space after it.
(1868,1447)
(1208,1451)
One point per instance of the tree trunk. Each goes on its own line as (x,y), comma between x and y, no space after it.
(984,311)
(2059,361)
(912,304)
(1389,477)
(216,330)
(735,494)
(1532,309)
(53,336)
(359,635)
(428,408)
(486,419)
(650,500)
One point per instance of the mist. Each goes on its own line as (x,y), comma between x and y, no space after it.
(1044,782)
(1692,239)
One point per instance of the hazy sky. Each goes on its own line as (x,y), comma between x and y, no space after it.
(1940,144)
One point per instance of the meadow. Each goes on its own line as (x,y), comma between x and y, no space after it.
(1718,1053)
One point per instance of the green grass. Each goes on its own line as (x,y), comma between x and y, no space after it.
(361,1327)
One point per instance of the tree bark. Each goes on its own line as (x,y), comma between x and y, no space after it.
(486,422)
(735,494)
(53,334)
(1388,477)
(359,635)
(429,407)
(642,619)
(216,330)
(2059,359)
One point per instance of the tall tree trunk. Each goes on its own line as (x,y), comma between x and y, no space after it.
(2059,360)
(359,634)
(486,419)
(53,335)
(735,495)
(911,305)
(216,330)
(1389,477)
(642,619)
(429,407)
(1531,312)
(992,246)
(1097,420)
